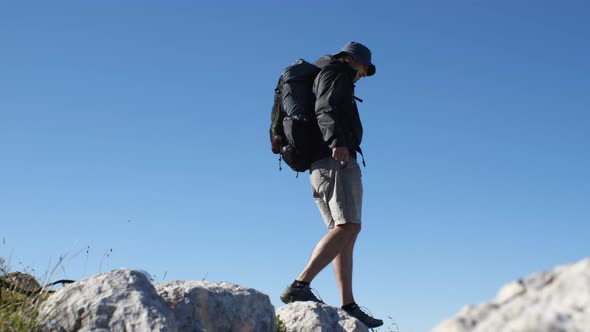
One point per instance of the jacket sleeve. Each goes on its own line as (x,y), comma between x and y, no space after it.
(332,89)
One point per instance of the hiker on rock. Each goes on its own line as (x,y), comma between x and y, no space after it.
(335,175)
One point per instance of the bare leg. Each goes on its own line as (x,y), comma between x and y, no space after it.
(343,271)
(330,246)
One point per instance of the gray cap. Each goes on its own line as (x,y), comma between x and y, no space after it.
(359,52)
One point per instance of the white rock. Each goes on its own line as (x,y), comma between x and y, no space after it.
(556,300)
(316,317)
(125,300)
(122,300)
(208,306)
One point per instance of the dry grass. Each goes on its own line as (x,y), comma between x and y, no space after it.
(18,312)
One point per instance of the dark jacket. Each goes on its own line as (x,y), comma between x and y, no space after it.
(335,107)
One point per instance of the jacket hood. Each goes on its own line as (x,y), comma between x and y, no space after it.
(325,61)
(331,61)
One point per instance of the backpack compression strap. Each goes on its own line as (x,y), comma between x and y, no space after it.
(359,150)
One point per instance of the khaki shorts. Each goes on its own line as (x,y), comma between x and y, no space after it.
(337,191)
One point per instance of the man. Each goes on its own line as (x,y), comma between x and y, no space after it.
(335,175)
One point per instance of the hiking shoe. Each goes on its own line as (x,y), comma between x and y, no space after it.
(369,321)
(292,294)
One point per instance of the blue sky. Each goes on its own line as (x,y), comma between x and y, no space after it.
(142,127)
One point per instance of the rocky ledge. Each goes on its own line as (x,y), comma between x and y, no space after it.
(126,300)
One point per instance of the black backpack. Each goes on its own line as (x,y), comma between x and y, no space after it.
(294,132)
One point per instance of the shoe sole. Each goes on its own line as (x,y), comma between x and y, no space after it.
(287,300)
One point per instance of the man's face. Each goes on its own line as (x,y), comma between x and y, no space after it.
(361,71)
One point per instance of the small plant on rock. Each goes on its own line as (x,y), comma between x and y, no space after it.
(281,325)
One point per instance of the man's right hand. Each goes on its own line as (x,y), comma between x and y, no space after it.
(341,154)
